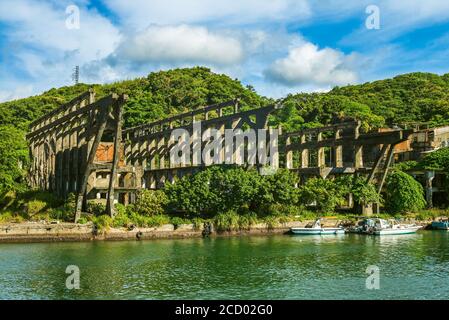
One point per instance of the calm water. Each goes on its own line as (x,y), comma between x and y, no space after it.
(278,267)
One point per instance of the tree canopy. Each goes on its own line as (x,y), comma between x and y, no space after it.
(415,97)
(403,193)
(408,98)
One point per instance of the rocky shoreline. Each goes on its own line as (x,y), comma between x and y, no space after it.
(69,232)
(46,232)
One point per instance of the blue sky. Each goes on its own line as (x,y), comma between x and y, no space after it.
(277,46)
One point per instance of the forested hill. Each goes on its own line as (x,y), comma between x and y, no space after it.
(409,98)
(158,95)
(416,97)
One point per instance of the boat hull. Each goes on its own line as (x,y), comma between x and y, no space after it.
(317,231)
(394,231)
(440,225)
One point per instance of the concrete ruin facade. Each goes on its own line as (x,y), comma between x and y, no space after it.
(64,145)
(422,142)
(81,148)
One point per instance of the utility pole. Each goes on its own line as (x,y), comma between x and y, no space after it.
(76,74)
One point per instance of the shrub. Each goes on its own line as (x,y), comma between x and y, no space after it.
(364,192)
(121,220)
(271,222)
(197,223)
(14,158)
(286,210)
(83,220)
(282,187)
(7,199)
(150,202)
(217,189)
(428,214)
(403,193)
(34,207)
(149,221)
(436,160)
(285,219)
(308,215)
(10,217)
(406,165)
(247,220)
(191,194)
(61,213)
(120,209)
(325,194)
(227,221)
(157,220)
(96,208)
(235,187)
(103,222)
(32,203)
(70,202)
(177,221)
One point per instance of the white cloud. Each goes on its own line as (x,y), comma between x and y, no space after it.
(45,50)
(182,43)
(16,93)
(308,65)
(43,25)
(142,13)
(247,39)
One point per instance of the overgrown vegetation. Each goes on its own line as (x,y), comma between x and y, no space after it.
(221,194)
(408,98)
(403,193)
(272,200)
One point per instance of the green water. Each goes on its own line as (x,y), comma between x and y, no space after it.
(276,267)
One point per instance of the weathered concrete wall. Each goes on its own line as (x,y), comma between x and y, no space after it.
(41,232)
(36,232)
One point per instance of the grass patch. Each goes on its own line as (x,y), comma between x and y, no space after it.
(227,221)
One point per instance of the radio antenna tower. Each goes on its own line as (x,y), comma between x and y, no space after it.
(76,74)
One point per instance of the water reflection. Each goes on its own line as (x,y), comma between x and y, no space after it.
(275,267)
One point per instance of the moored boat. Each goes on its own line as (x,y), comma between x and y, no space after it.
(380,227)
(316,229)
(442,224)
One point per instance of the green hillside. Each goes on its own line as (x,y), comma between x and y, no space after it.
(409,98)
(158,95)
(416,97)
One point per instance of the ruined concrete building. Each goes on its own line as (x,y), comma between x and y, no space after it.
(81,148)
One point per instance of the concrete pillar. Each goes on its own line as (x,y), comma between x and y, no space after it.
(144,154)
(358,157)
(304,154)
(289,155)
(128,149)
(321,153)
(161,150)
(66,164)
(358,149)
(274,150)
(53,161)
(338,151)
(429,175)
(367,209)
(152,152)
(222,149)
(136,162)
(74,160)
(60,161)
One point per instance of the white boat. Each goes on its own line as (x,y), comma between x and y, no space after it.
(316,229)
(381,227)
